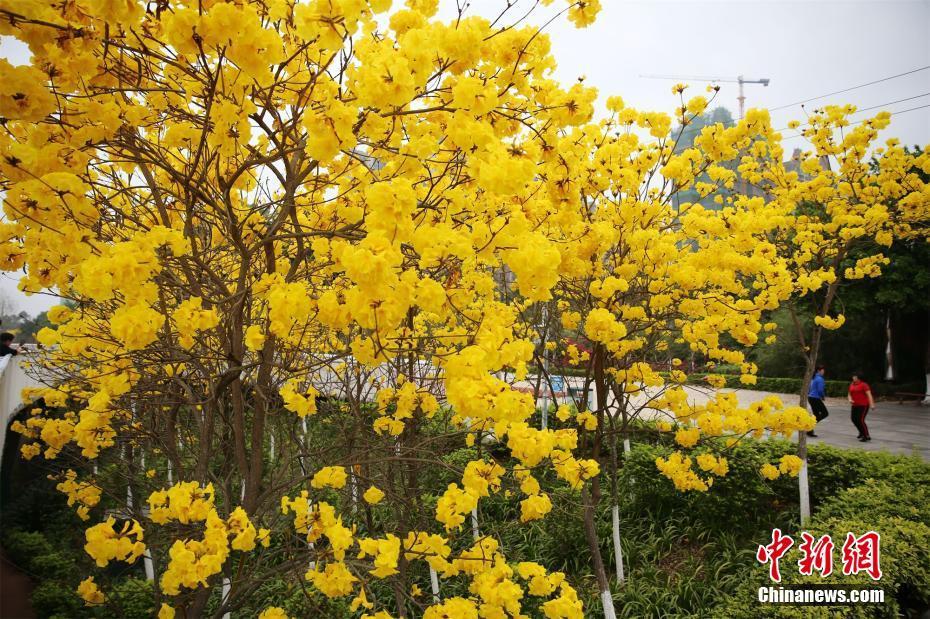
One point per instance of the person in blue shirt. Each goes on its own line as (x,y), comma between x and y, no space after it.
(816,395)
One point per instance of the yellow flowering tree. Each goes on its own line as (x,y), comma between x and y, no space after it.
(639,269)
(279,225)
(842,201)
(301,242)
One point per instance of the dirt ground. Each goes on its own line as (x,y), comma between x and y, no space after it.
(15,589)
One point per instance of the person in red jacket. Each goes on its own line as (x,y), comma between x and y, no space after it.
(860,397)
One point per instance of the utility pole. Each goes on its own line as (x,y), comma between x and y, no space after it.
(704,78)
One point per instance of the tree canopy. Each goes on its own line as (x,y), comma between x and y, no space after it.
(308,246)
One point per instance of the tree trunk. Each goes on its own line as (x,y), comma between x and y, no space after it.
(811,353)
(591,496)
(889,350)
(803,486)
(926,400)
(618,550)
(615,507)
(590,533)
(810,358)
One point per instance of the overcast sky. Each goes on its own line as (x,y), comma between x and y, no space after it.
(806,48)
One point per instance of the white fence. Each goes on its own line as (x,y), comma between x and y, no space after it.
(13,379)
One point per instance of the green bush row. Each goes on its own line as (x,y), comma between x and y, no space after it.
(692,554)
(905,558)
(834,388)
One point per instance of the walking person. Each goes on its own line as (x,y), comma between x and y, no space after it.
(860,397)
(816,395)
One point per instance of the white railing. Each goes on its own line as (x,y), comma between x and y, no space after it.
(13,379)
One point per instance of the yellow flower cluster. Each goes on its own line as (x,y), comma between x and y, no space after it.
(303,403)
(250,202)
(384,552)
(335,580)
(190,318)
(713,464)
(89,592)
(330,477)
(407,401)
(319,520)
(829,323)
(678,469)
(105,543)
(373,495)
(84,494)
(534,507)
(185,502)
(193,562)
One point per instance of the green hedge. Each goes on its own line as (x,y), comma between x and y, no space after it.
(857,492)
(905,561)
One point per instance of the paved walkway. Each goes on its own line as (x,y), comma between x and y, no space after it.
(15,589)
(896,428)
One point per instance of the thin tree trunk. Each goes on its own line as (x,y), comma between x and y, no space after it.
(926,400)
(889,349)
(591,496)
(590,533)
(615,508)
(810,356)
(618,550)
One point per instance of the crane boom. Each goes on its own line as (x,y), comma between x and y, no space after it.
(696,78)
(706,78)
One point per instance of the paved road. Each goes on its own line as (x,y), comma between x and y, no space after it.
(896,428)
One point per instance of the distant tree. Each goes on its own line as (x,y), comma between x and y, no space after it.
(902,293)
(27,326)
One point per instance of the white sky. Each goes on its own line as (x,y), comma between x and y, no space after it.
(806,48)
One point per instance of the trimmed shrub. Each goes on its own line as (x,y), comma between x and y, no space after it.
(52,597)
(833,470)
(23,546)
(134,597)
(905,562)
(880,499)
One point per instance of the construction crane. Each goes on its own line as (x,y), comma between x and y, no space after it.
(704,78)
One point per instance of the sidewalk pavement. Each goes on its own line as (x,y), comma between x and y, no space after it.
(896,428)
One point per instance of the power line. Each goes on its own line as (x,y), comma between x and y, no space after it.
(691,130)
(866,109)
(830,94)
(899,112)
